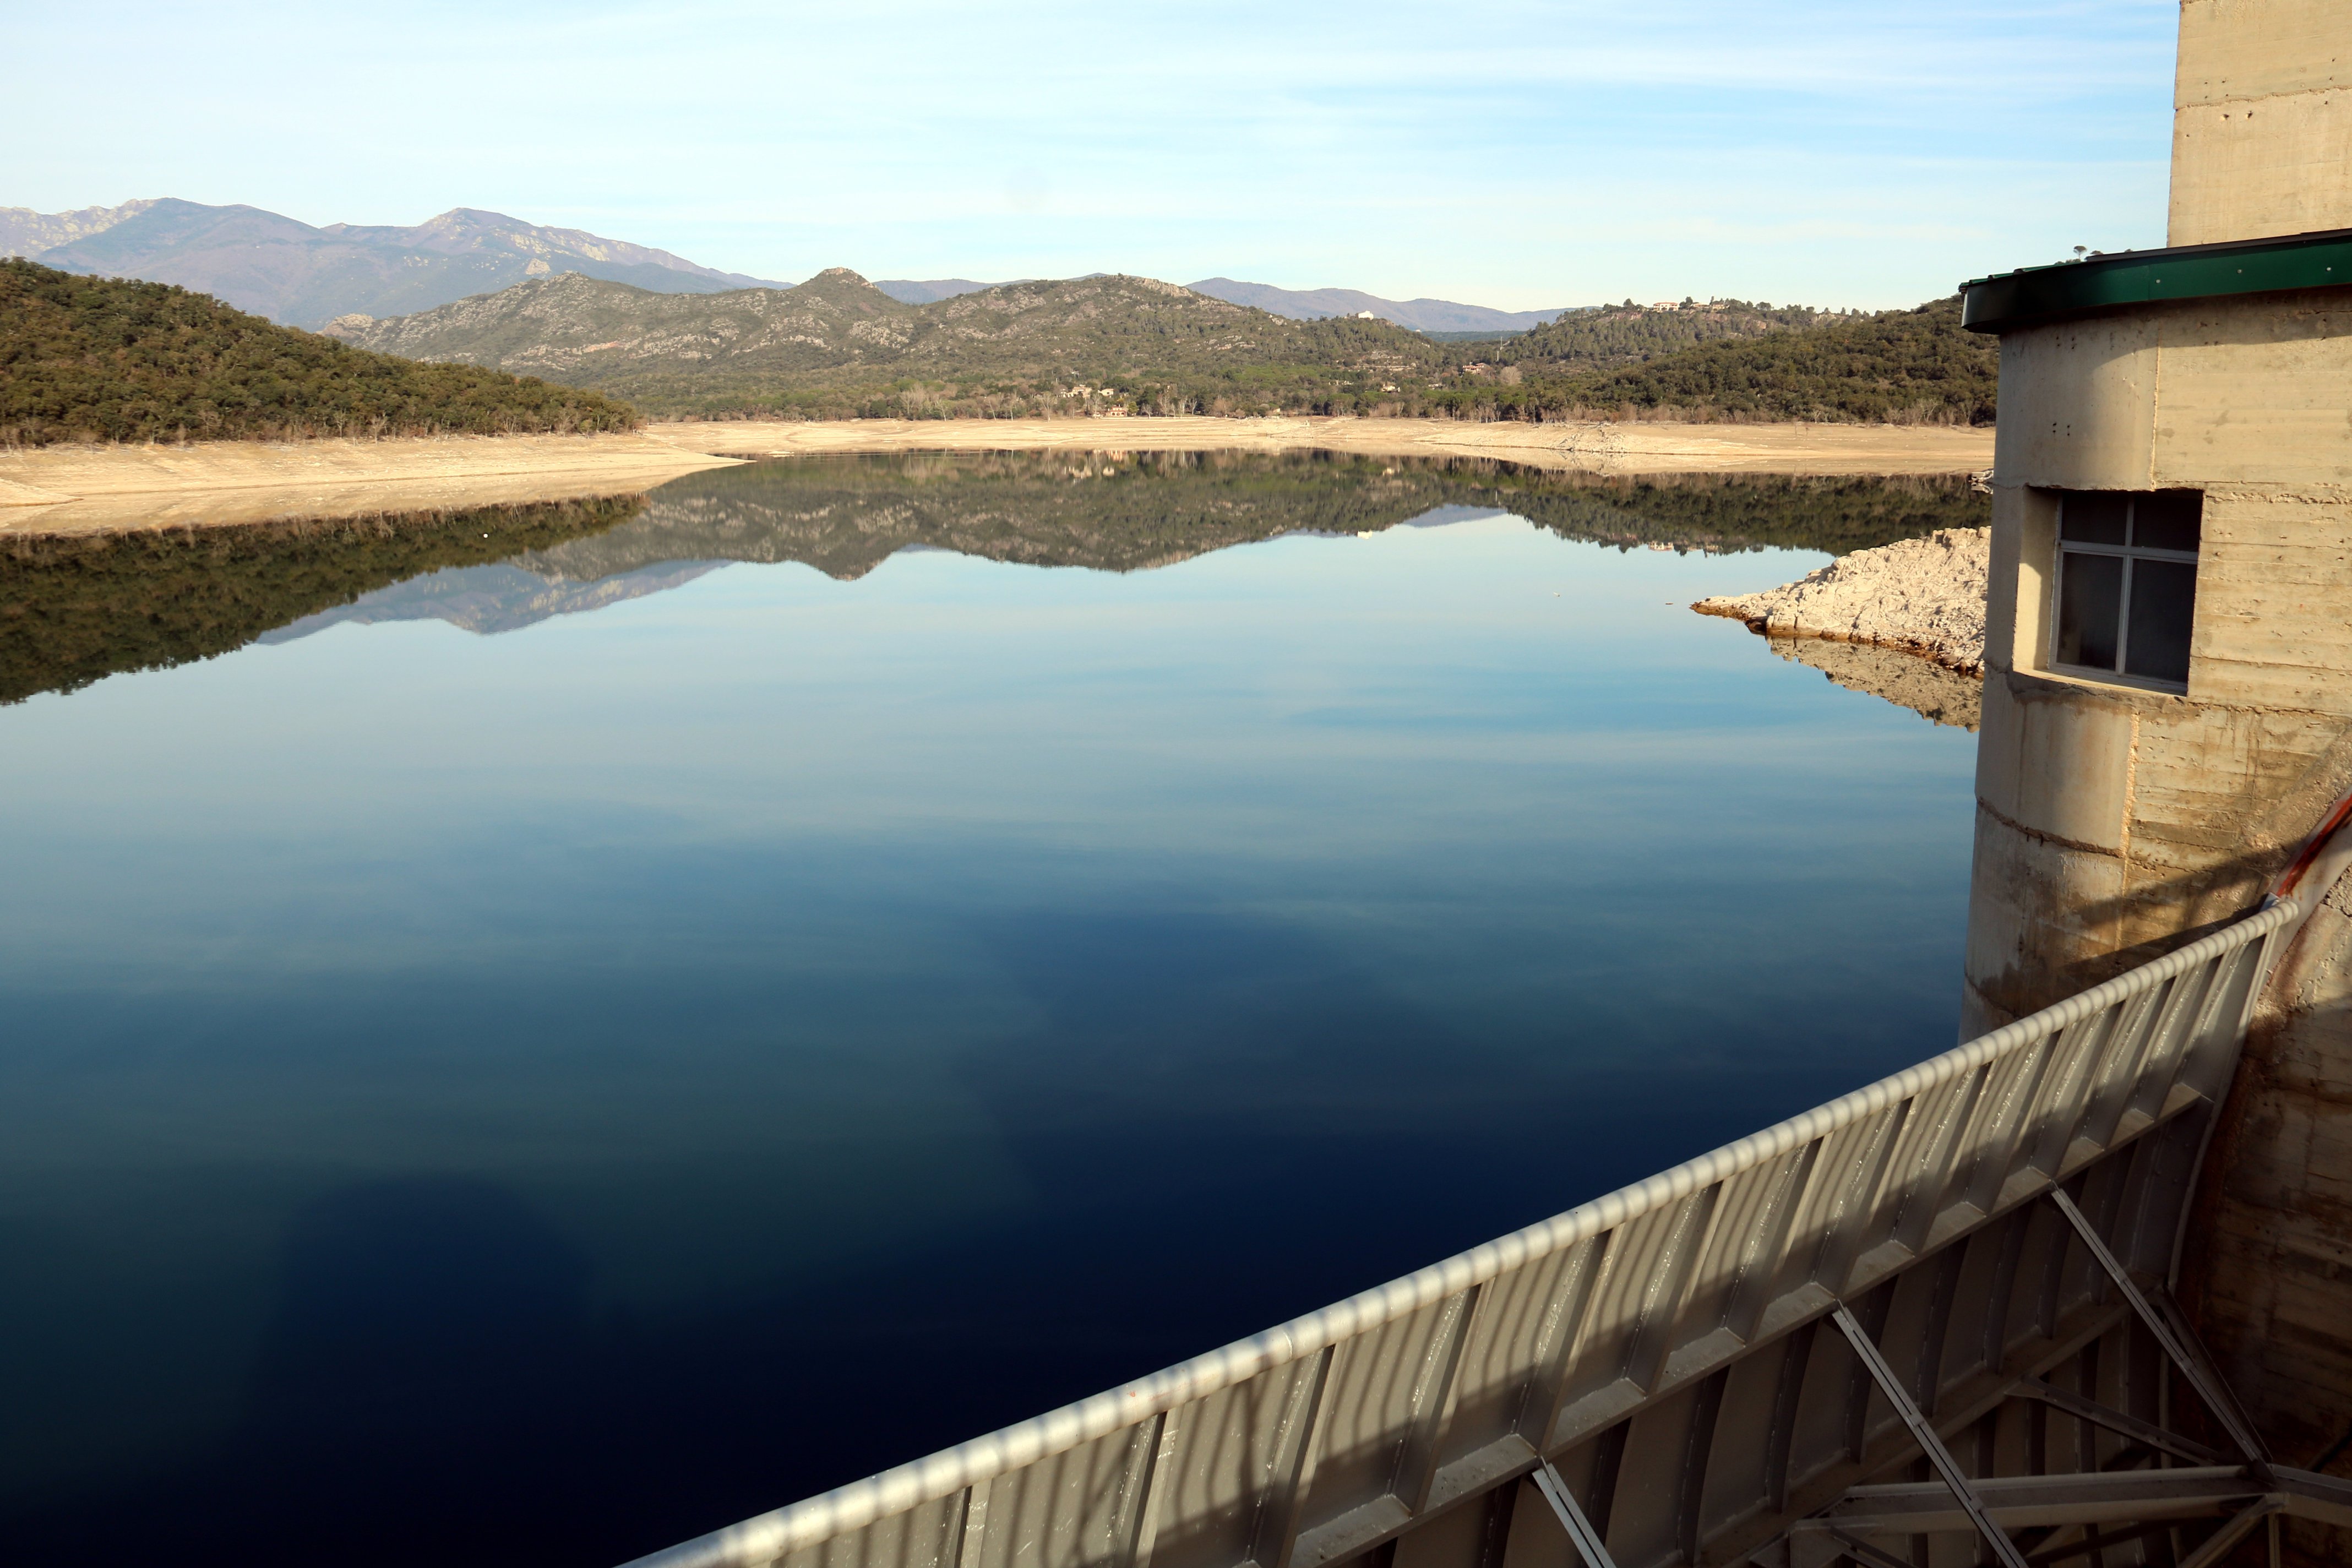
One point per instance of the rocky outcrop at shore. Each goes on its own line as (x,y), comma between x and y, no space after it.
(1923,596)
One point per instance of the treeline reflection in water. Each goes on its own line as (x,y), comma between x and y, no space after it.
(77,609)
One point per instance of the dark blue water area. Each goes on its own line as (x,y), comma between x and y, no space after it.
(531,1098)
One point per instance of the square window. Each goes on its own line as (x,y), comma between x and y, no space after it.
(2127,588)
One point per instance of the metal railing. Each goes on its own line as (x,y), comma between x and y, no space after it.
(1635,1318)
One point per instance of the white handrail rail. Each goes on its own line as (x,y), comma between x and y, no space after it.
(769,1536)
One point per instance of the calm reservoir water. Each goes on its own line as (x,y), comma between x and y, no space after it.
(654,1012)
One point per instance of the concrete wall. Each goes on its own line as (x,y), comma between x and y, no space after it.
(2261,129)
(2113,824)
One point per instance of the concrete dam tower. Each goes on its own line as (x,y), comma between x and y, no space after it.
(2167,704)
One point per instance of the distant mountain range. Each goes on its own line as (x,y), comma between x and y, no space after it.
(305,277)
(1421,315)
(1298,304)
(287,270)
(678,339)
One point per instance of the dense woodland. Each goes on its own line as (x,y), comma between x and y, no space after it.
(100,359)
(1630,333)
(1915,366)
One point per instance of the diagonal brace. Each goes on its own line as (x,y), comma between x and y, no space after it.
(2239,1526)
(2217,1399)
(1581,1533)
(2114,1420)
(2094,1541)
(2003,1550)
(1865,1553)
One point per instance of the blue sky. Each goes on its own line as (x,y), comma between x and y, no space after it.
(1522,155)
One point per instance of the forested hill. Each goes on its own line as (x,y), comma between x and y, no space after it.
(100,359)
(1627,333)
(1914,366)
(836,346)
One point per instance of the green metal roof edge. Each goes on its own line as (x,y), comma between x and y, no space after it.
(2008,301)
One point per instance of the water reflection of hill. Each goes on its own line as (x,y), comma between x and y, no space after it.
(74,610)
(487,600)
(77,609)
(1132,512)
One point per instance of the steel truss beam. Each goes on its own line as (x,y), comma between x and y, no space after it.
(2245,1494)
(2133,1496)
(2117,1422)
(2177,1349)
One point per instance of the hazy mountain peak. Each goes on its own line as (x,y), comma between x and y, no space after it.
(1421,315)
(927,291)
(467,228)
(24,232)
(306,276)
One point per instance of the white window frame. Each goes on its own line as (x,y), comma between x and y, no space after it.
(2063,546)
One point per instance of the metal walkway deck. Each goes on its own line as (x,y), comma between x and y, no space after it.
(1948,1283)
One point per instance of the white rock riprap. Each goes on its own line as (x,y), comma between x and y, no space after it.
(1925,597)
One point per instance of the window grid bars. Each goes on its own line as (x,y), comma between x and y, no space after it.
(2128,553)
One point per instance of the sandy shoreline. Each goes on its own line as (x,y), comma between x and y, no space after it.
(1597,447)
(95,489)
(84,490)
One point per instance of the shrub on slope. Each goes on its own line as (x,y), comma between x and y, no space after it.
(104,359)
